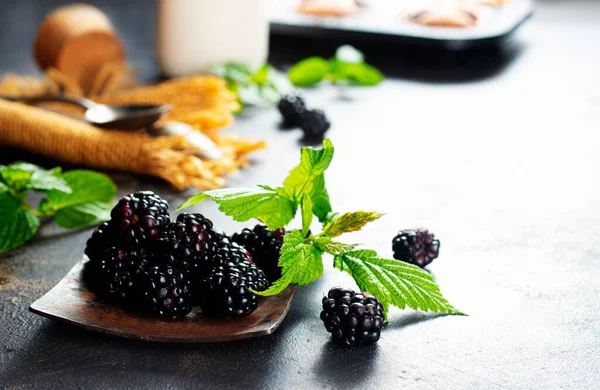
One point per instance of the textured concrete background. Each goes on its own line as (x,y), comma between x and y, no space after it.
(496,151)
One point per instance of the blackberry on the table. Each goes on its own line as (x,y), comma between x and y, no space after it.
(314,124)
(225,292)
(163,290)
(416,246)
(292,106)
(136,221)
(264,246)
(352,318)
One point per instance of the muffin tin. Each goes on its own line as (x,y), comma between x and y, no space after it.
(386,19)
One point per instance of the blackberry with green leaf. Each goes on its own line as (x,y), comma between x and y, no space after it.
(292,107)
(352,318)
(164,291)
(136,221)
(416,246)
(264,246)
(225,291)
(314,124)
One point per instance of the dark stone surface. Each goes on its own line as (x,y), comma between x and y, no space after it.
(495,151)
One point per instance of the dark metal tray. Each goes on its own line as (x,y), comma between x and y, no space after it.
(383,20)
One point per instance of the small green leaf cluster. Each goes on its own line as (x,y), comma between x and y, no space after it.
(392,282)
(261,87)
(347,66)
(75,199)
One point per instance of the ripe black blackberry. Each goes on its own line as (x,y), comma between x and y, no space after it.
(264,246)
(189,244)
(291,107)
(136,220)
(314,124)
(352,318)
(164,291)
(225,291)
(416,246)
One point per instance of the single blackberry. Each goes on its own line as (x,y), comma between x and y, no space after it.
(189,244)
(352,318)
(314,124)
(225,292)
(113,275)
(136,220)
(416,246)
(222,238)
(264,246)
(164,291)
(291,107)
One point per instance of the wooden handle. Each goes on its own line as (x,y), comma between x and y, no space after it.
(78,40)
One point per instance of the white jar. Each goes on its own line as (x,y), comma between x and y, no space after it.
(193,35)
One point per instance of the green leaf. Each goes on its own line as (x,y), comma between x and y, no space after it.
(313,163)
(242,204)
(16,178)
(365,75)
(45,181)
(262,75)
(326,244)
(302,263)
(394,282)
(89,202)
(349,54)
(320,198)
(350,222)
(22,175)
(17,225)
(3,188)
(307,213)
(309,71)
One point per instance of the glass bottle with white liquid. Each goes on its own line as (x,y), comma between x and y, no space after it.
(193,35)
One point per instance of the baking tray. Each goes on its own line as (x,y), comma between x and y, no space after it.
(383,20)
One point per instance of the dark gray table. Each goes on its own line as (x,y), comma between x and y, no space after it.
(495,150)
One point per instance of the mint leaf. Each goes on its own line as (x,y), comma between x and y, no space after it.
(22,175)
(307,213)
(394,282)
(89,202)
(326,244)
(309,71)
(46,180)
(350,222)
(16,178)
(242,204)
(302,263)
(313,163)
(365,75)
(17,224)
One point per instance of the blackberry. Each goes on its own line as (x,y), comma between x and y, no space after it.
(164,291)
(189,244)
(136,220)
(314,124)
(225,292)
(352,318)
(113,275)
(416,246)
(291,107)
(264,246)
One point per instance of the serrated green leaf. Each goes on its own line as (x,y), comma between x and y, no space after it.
(394,282)
(320,198)
(313,163)
(17,224)
(326,244)
(350,222)
(3,188)
(16,178)
(22,175)
(88,203)
(242,204)
(45,181)
(307,213)
(309,71)
(302,263)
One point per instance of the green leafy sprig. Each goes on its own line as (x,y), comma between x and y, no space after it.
(391,281)
(75,199)
(347,67)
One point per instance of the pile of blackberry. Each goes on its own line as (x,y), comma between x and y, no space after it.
(142,260)
(352,318)
(416,246)
(314,123)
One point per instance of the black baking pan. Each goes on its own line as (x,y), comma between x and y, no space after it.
(383,20)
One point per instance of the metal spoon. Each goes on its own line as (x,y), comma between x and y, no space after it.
(130,117)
